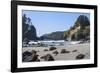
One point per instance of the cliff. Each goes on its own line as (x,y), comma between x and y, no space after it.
(28,30)
(80,30)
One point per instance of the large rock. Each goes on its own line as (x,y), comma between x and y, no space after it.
(30,56)
(26,56)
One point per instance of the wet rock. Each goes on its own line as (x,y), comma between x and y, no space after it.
(64,51)
(52,48)
(56,52)
(48,57)
(80,56)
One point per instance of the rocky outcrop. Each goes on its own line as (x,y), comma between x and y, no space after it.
(80,30)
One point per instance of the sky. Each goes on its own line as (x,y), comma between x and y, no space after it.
(48,22)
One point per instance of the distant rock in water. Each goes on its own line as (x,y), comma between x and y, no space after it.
(48,57)
(64,51)
(80,56)
(52,48)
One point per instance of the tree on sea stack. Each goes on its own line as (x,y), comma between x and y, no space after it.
(28,30)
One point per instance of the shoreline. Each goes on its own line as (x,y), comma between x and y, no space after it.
(74,50)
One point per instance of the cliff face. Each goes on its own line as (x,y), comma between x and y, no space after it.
(28,30)
(80,30)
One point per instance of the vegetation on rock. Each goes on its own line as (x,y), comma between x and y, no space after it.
(28,30)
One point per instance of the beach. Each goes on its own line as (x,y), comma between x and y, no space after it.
(72,51)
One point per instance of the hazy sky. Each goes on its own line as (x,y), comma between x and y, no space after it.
(47,22)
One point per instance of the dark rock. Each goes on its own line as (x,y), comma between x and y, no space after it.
(34,52)
(45,50)
(74,51)
(48,57)
(26,56)
(56,52)
(35,58)
(80,56)
(30,56)
(52,48)
(42,57)
(64,51)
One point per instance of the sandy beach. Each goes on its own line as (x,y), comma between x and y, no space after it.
(73,51)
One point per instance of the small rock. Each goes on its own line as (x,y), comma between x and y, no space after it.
(45,49)
(56,52)
(64,51)
(35,58)
(48,57)
(52,48)
(33,52)
(80,56)
(74,51)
